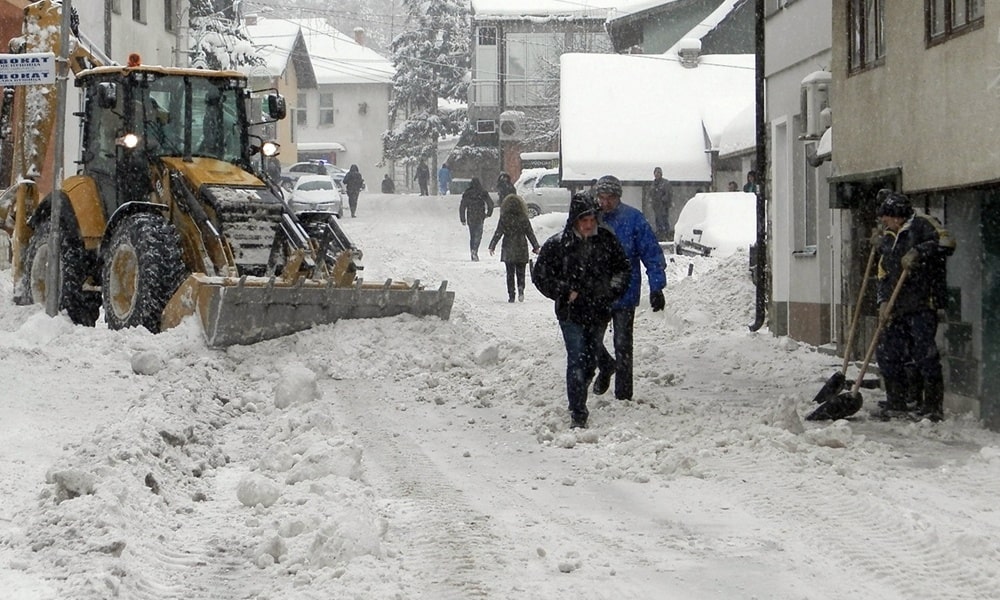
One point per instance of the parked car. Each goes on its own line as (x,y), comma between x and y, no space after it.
(317,193)
(310,167)
(717,224)
(542,192)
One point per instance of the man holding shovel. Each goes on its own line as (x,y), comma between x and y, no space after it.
(907,352)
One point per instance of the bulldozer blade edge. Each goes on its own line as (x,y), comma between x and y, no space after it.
(252,309)
(833,386)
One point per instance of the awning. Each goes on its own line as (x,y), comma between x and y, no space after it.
(825,147)
(322,147)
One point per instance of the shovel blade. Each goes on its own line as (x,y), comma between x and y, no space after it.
(833,386)
(840,406)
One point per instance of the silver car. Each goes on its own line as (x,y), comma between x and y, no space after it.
(317,193)
(542,192)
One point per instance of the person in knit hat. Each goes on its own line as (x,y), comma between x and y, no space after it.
(584,270)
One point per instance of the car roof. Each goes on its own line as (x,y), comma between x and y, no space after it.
(306,178)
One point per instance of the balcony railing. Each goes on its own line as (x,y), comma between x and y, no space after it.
(519,92)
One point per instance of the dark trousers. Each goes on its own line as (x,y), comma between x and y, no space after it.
(475,236)
(423,187)
(622,325)
(352,201)
(583,342)
(515,271)
(908,350)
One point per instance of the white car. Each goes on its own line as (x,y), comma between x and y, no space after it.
(317,193)
(310,167)
(541,192)
(716,223)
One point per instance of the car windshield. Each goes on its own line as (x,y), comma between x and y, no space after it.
(316,184)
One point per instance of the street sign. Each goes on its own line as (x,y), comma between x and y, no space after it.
(27,69)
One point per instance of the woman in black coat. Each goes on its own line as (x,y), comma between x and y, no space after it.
(514,228)
(353,181)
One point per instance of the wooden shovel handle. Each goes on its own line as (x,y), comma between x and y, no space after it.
(878,330)
(857,308)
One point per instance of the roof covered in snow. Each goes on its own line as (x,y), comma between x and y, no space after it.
(517,9)
(626,114)
(338,58)
(274,41)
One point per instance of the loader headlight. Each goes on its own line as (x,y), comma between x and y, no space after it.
(129,140)
(269,148)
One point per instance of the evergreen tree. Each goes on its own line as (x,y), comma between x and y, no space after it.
(218,38)
(432,61)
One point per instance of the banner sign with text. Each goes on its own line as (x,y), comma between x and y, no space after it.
(27,69)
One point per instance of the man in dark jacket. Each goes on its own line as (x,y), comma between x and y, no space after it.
(475,206)
(585,270)
(907,353)
(353,181)
(661,197)
(423,176)
(642,249)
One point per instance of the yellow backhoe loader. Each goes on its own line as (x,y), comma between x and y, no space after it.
(171,213)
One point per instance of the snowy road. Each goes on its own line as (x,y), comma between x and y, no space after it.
(427,459)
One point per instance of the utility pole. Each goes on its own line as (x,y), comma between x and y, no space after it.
(53,276)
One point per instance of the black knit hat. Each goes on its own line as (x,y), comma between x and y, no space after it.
(895,205)
(581,205)
(609,184)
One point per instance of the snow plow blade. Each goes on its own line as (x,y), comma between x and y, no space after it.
(247,310)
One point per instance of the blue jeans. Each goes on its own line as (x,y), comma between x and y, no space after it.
(622,325)
(582,345)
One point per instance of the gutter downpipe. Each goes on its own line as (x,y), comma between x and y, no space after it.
(760,267)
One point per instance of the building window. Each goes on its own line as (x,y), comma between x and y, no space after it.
(116,6)
(805,225)
(865,19)
(485,90)
(948,18)
(326,109)
(532,67)
(139,11)
(169,16)
(301,114)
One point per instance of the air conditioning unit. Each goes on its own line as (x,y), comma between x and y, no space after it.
(511,125)
(486,126)
(814,100)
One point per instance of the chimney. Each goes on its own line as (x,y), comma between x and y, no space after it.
(689,51)
(250,20)
(359,35)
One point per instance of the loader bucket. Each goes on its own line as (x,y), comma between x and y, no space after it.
(246,310)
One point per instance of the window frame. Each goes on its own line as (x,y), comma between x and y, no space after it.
(326,111)
(170,15)
(139,11)
(948,29)
(860,40)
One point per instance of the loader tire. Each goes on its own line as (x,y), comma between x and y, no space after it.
(142,269)
(81,306)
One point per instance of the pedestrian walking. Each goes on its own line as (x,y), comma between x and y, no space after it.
(353,181)
(661,197)
(504,186)
(642,249)
(475,207)
(584,270)
(423,176)
(907,353)
(514,228)
(444,179)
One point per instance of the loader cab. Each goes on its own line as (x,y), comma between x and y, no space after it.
(135,116)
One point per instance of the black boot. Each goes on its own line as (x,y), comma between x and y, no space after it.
(932,407)
(895,399)
(914,396)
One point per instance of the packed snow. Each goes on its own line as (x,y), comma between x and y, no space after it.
(414,458)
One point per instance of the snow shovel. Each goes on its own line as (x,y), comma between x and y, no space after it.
(847,403)
(835,384)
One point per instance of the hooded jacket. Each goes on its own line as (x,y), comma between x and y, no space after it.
(515,229)
(353,180)
(476,203)
(595,267)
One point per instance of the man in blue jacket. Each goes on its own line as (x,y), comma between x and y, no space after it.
(641,246)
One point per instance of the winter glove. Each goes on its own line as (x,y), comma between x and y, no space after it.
(656,301)
(910,259)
